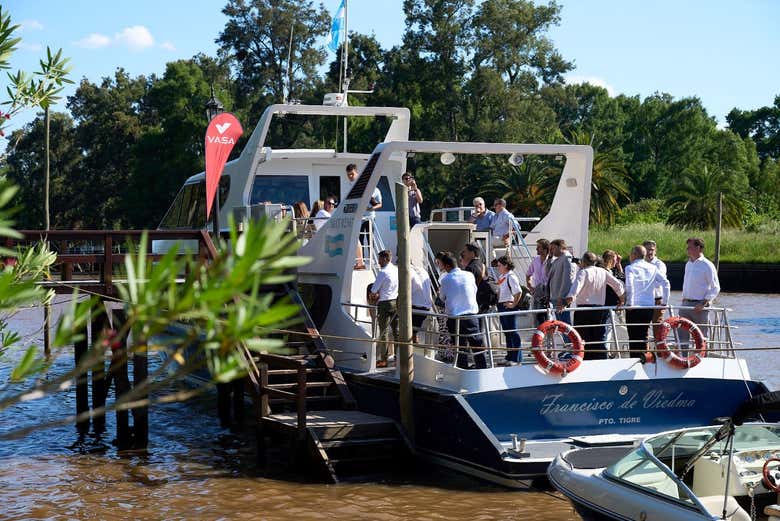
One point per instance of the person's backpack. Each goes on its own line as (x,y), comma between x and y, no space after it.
(487,293)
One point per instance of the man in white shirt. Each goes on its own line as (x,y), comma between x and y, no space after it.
(384,291)
(501,228)
(589,290)
(422,299)
(700,287)
(459,293)
(652,249)
(325,212)
(643,281)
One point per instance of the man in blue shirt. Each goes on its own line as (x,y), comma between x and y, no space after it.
(481,217)
(502,223)
(459,293)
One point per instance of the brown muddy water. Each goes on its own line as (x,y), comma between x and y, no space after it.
(196,470)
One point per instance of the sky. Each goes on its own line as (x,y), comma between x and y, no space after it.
(723,51)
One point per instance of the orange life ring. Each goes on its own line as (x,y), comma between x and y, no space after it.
(672,358)
(544,361)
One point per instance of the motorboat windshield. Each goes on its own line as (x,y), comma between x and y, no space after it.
(674,466)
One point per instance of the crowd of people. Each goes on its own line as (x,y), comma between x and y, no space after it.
(555,280)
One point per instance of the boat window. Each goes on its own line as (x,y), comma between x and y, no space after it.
(640,470)
(387,196)
(188,210)
(286,189)
(330,185)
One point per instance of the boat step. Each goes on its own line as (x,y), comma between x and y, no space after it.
(309,370)
(294,385)
(329,398)
(357,442)
(363,459)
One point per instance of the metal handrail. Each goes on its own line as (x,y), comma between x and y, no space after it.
(718,348)
(470,209)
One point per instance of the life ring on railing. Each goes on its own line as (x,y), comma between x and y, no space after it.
(672,358)
(544,361)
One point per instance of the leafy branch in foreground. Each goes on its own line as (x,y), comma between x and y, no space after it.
(198,314)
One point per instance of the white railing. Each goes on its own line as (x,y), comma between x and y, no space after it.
(462,214)
(437,342)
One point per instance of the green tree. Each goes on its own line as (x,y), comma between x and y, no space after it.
(169,147)
(111,119)
(41,90)
(256,37)
(25,163)
(762,125)
(528,189)
(589,108)
(665,136)
(608,186)
(510,37)
(693,200)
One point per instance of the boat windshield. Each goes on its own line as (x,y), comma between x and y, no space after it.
(688,442)
(188,210)
(652,465)
(640,469)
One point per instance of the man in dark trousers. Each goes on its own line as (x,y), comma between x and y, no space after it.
(459,293)
(589,290)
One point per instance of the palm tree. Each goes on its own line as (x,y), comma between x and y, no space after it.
(609,188)
(693,202)
(528,188)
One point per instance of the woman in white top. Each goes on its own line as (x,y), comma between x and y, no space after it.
(510,293)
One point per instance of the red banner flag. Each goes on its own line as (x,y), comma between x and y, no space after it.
(221,134)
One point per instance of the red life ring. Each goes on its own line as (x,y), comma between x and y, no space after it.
(544,361)
(675,360)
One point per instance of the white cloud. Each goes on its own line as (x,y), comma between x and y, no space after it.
(168,46)
(93,41)
(31,25)
(136,38)
(593,80)
(33,47)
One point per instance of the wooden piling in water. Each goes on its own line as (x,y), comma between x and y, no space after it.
(99,377)
(141,413)
(223,404)
(118,374)
(47,330)
(405,333)
(237,389)
(80,349)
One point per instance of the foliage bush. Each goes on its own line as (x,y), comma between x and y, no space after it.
(646,211)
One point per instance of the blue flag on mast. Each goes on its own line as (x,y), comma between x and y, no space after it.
(336,29)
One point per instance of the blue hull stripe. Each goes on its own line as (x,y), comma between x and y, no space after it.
(609,407)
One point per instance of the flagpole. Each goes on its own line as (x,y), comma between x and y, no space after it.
(346,41)
(345,59)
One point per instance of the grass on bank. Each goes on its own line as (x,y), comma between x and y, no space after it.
(737,246)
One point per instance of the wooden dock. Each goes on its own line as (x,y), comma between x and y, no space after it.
(302,398)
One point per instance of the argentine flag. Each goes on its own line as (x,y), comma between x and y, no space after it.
(336,29)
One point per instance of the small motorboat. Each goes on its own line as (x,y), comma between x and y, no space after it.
(727,471)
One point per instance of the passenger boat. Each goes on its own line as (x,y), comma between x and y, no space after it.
(728,471)
(501,423)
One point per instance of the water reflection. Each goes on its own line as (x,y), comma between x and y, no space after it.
(195,470)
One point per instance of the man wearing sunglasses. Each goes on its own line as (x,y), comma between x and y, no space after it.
(325,212)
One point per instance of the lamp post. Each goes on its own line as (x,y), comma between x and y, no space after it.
(213,109)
